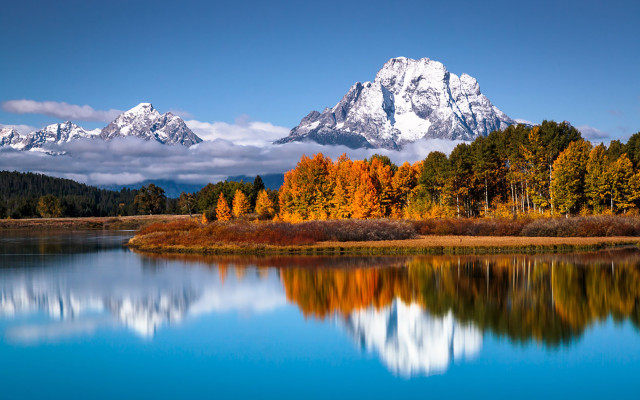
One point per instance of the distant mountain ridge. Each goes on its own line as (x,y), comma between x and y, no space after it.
(142,121)
(409,100)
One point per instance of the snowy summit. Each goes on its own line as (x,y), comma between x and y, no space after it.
(409,100)
(142,121)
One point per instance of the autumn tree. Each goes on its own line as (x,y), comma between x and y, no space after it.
(49,206)
(223,213)
(404,182)
(597,179)
(307,190)
(622,184)
(568,179)
(240,204)
(264,206)
(365,200)
(345,184)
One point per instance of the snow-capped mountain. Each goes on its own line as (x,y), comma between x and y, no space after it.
(145,122)
(57,134)
(9,136)
(407,101)
(142,121)
(410,341)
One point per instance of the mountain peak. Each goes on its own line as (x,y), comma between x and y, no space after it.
(408,100)
(142,121)
(145,122)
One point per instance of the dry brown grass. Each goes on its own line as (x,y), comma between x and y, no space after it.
(490,241)
(116,223)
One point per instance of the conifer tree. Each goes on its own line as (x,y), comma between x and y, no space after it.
(241,204)
(223,213)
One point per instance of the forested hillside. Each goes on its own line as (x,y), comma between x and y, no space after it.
(20,194)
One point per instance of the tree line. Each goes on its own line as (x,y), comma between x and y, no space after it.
(28,195)
(544,170)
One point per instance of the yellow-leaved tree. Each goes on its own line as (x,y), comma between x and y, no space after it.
(223,213)
(241,204)
(264,206)
(568,179)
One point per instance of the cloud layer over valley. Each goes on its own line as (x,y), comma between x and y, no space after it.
(130,160)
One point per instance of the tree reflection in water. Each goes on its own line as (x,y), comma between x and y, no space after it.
(417,313)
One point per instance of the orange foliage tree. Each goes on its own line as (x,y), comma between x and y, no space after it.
(241,204)
(223,213)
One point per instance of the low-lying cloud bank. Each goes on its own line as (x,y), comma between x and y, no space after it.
(130,160)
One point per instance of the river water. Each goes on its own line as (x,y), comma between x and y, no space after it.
(83,317)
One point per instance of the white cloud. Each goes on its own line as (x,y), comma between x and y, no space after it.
(523,121)
(591,133)
(60,110)
(22,129)
(243,132)
(131,160)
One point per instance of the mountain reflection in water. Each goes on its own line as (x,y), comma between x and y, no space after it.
(417,314)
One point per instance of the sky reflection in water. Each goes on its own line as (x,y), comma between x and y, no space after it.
(416,316)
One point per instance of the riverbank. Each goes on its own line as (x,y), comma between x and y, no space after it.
(111,223)
(420,245)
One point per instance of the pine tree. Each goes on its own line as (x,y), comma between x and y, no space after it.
(241,204)
(264,205)
(223,213)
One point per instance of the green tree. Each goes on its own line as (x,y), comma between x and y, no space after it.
(150,200)
(434,176)
(187,203)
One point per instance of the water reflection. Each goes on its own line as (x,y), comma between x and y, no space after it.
(416,314)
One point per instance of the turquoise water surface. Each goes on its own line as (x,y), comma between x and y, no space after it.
(83,317)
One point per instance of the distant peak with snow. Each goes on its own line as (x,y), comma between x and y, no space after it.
(145,122)
(142,121)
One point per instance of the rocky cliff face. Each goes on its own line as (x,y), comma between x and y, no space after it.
(409,100)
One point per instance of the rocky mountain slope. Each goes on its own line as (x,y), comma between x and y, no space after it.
(142,121)
(408,100)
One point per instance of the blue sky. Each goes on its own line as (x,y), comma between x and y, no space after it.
(275,61)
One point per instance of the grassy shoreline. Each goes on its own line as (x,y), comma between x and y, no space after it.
(431,245)
(88,223)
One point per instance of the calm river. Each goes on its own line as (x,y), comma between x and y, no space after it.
(82,317)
